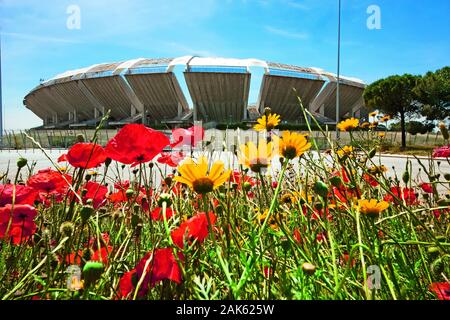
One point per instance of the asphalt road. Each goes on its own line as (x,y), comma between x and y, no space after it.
(395,164)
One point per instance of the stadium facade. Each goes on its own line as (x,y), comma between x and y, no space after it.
(148,91)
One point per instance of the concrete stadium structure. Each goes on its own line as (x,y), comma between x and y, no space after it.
(148,91)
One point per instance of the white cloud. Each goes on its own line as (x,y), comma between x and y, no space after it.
(297,5)
(35,38)
(187,50)
(287,33)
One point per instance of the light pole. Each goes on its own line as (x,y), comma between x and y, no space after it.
(338,71)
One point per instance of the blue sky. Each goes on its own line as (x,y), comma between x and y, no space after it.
(36,43)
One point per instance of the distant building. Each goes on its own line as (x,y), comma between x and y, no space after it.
(147,91)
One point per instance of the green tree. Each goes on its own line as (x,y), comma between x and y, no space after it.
(433,92)
(395,96)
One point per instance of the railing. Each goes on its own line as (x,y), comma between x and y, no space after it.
(214,139)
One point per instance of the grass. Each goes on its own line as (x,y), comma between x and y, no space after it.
(415,150)
(301,233)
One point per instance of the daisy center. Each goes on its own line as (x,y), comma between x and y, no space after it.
(290,152)
(258,164)
(203,185)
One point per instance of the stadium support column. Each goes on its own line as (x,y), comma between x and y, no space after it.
(180,110)
(195,112)
(144,115)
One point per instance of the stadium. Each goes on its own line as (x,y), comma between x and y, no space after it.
(148,91)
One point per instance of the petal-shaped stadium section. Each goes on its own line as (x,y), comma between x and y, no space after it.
(149,91)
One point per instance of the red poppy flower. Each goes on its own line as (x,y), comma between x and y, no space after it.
(187,137)
(49,181)
(321,236)
(163,266)
(297,236)
(127,284)
(442,152)
(437,213)
(96,192)
(62,158)
(240,179)
(104,240)
(86,155)
(342,174)
(157,214)
(171,159)
(22,222)
(144,201)
(102,254)
(426,187)
(344,260)
(442,289)
(24,194)
(370,180)
(316,214)
(268,272)
(118,197)
(122,185)
(196,228)
(342,194)
(135,144)
(406,194)
(74,258)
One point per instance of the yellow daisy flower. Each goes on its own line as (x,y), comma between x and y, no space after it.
(375,170)
(385,118)
(364,125)
(372,207)
(267,122)
(292,145)
(256,157)
(195,175)
(373,125)
(272,222)
(345,151)
(348,124)
(381,134)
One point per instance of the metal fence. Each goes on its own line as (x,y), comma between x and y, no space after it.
(214,139)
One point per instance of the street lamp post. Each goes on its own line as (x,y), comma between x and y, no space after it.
(338,71)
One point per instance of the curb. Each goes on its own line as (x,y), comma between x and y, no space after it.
(402,156)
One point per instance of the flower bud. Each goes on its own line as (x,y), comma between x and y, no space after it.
(168,181)
(67,228)
(246,186)
(86,212)
(308,268)
(336,181)
(405,177)
(92,271)
(129,193)
(135,220)
(21,162)
(80,138)
(321,189)
(164,197)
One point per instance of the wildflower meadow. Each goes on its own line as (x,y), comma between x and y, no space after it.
(150,217)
